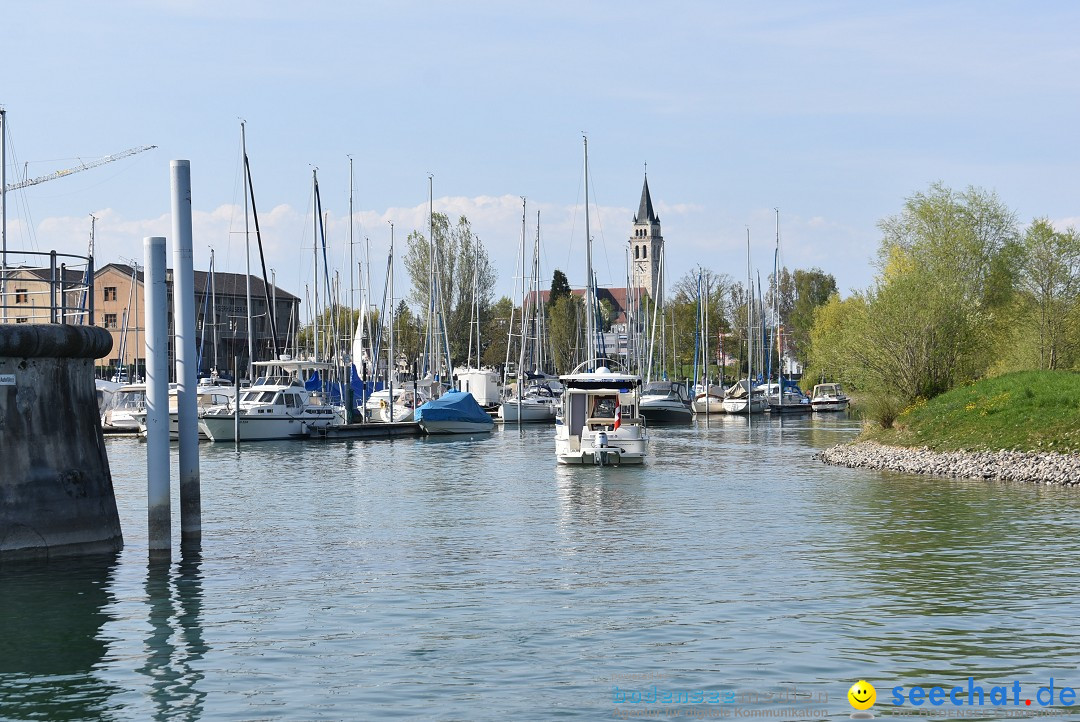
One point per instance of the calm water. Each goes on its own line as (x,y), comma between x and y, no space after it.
(474,579)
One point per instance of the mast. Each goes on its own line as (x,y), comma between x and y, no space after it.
(213,308)
(3,217)
(524,320)
(315,268)
(776,305)
(590,291)
(247,253)
(390,351)
(352,267)
(749,327)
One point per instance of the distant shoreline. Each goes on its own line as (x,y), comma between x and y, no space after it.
(1045,467)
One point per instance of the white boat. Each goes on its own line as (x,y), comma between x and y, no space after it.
(791,401)
(708,400)
(829,397)
(276,406)
(120,413)
(207,396)
(538,404)
(665,402)
(600,420)
(483,384)
(455,412)
(739,399)
(406,400)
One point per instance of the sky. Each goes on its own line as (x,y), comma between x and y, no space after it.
(831,112)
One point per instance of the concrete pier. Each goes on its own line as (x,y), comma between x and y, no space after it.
(56,492)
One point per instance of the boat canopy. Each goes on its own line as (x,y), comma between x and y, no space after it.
(452,406)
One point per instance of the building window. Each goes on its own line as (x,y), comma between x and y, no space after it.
(110,320)
(644,251)
(21,319)
(22,295)
(637,252)
(110,293)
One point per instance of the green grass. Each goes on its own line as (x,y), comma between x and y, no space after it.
(1027,411)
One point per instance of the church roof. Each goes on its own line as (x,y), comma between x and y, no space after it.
(645,213)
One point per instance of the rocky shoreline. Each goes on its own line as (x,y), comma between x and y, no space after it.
(1032,467)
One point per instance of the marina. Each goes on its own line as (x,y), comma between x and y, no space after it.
(348,580)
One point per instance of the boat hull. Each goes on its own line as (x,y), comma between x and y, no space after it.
(666,413)
(739,406)
(616,452)
(456,427)
(707,405)
(221,427)
(821,406)
(529,412)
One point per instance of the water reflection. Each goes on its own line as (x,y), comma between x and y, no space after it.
(51,618)
(175,641)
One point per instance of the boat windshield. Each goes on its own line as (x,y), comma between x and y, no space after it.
(658,388)
(258,397)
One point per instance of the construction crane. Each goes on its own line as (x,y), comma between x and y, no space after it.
(83,166)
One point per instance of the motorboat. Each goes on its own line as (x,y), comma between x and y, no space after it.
(407,397)
(207,395)
(539,403)
(119,414)
(741,398)
(708,400)
(275,406)
(665,402)
(791,400)
(599,421)
(828,397)
(455,412)
(483,384)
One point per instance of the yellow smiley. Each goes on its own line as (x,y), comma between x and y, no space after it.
(862,695)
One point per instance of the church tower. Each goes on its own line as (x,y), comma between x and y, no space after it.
(646,247)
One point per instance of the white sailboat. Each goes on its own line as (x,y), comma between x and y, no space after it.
(599,420)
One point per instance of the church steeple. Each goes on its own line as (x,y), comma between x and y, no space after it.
(647,246)
(645,213)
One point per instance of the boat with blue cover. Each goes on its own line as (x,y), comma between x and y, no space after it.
(455,412)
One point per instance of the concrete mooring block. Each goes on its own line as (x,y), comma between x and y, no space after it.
(56,491)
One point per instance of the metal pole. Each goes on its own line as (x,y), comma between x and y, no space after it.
(186,365)
(247,251)
(159,517)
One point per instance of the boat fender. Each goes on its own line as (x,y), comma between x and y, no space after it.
(601,440)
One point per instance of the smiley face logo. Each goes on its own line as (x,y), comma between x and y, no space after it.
(862,695)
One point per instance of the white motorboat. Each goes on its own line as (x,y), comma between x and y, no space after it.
(708,400)
(276,406)
(120,412)
(665,402)
(407,398)
(740,399)
(207,396)
(829,397)
(538,404)
(600,420)
(791,401)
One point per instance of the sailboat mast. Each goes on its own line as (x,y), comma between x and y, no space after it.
(352,267)
(749,325)
(315,268)
(776,303)
(391,315)
(213,308)
(524,316)
(590,297)
(247,254)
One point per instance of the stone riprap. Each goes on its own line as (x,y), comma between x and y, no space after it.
(1035,467)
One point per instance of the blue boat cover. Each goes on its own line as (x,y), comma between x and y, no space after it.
(453,406)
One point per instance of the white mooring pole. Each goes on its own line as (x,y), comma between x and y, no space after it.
(186,353)
(159,517)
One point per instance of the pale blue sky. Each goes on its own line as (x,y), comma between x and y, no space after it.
(832,111)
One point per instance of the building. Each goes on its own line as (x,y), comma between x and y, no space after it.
(647,247)
(33,296)
(220,323)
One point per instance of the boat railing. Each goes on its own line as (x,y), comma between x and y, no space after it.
(47,287)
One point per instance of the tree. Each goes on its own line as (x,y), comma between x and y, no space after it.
(497,333)
(1050,280)
(946,267)
(812,289)
(560,287)
(463,275)
(566,331)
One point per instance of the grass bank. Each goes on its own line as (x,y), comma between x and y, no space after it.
(1025,411)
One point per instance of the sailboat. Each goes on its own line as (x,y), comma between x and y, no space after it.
(743,397)
(535,402)
(599,420)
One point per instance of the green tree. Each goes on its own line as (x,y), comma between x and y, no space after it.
(560,286)
(566,323)
(1050,281)
(497,333)
(463,274)
(946,267)
(812,289)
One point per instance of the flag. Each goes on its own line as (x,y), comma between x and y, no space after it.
(618,417)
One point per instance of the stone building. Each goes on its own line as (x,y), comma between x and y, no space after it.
(647,247)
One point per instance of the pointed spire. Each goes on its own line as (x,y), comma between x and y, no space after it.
(645,213)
